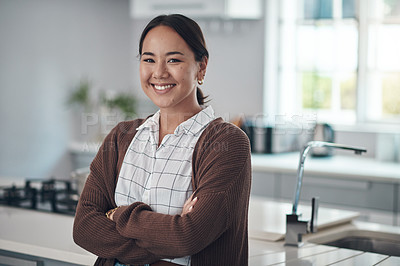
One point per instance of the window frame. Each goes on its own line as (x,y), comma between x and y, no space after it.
(274,100)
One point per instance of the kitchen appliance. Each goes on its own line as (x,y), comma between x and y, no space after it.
(51,195)
(275,137)
(323,132)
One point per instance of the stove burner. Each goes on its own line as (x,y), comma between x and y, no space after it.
(15,196)
(53,195)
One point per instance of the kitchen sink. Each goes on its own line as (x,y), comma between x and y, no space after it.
(368,244)
(371,240)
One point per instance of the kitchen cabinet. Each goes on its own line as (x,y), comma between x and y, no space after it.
(39,238)
(12,258)
(199,9)
(354,183)
(355,193)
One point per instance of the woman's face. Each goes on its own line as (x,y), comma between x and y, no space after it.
(169,71)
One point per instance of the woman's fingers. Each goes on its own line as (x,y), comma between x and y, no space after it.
(191,204)
(187,204)
(188,207)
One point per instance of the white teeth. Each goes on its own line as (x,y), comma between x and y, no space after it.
(161,88)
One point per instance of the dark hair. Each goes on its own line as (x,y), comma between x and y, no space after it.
(189,30)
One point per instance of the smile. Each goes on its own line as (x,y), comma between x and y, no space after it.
(163,87)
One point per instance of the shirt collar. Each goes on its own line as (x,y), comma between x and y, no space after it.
(196,123)
(191,126)
(151,123)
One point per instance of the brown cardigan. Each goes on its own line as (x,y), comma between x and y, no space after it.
(214,233)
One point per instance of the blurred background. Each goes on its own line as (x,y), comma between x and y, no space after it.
(69,72)
(285,71)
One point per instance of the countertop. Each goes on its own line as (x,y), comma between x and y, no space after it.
(337,166)
(275,253)
(41,234)
(50,235)
(266,234)
(267,218)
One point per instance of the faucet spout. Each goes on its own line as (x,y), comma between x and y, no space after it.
(303,155)
(294,227)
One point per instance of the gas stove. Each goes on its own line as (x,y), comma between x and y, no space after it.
(49,195)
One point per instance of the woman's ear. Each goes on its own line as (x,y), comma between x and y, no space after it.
(203,68)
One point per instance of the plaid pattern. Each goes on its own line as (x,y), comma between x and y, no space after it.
(160,176)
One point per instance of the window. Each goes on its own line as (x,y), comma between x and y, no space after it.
(338,59)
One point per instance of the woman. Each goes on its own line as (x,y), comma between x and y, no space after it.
(173,188)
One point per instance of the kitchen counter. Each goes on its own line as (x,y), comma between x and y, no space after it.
(49,236)
(343,181)
(267,222)
(337,166)
(275,253)
(267,218)
(41,234)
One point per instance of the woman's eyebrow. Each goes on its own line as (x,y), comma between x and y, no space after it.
(148,53)
(174,53)
(169,53)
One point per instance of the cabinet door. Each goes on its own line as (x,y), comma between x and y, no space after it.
(352,193)
(10,260)
(263,184)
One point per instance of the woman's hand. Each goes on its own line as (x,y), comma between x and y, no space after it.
(110,214)
(188,206)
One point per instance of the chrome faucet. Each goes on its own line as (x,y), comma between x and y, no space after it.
(295,228)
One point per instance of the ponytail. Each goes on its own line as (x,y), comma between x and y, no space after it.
(201,99)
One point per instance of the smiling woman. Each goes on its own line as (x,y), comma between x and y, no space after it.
(172,189)
(169,72)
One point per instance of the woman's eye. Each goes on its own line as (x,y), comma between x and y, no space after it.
(148,60)
(173,60)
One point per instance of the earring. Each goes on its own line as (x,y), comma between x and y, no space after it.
(200,82)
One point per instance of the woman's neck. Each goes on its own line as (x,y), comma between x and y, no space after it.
(169,121)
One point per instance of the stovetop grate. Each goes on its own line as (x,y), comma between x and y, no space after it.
(51,195)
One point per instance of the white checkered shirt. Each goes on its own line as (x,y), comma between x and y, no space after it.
(160,176)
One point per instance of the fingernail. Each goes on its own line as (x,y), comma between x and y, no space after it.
(190,208)
(195,199)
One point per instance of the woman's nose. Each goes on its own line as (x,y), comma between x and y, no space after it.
(160,70)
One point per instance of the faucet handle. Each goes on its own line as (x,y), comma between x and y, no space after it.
(314,214)
(295,229)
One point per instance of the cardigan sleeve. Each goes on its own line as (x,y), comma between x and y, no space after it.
(222,173)
(92,230)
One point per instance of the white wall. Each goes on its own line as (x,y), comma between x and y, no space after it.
(234,77)
(46,46)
